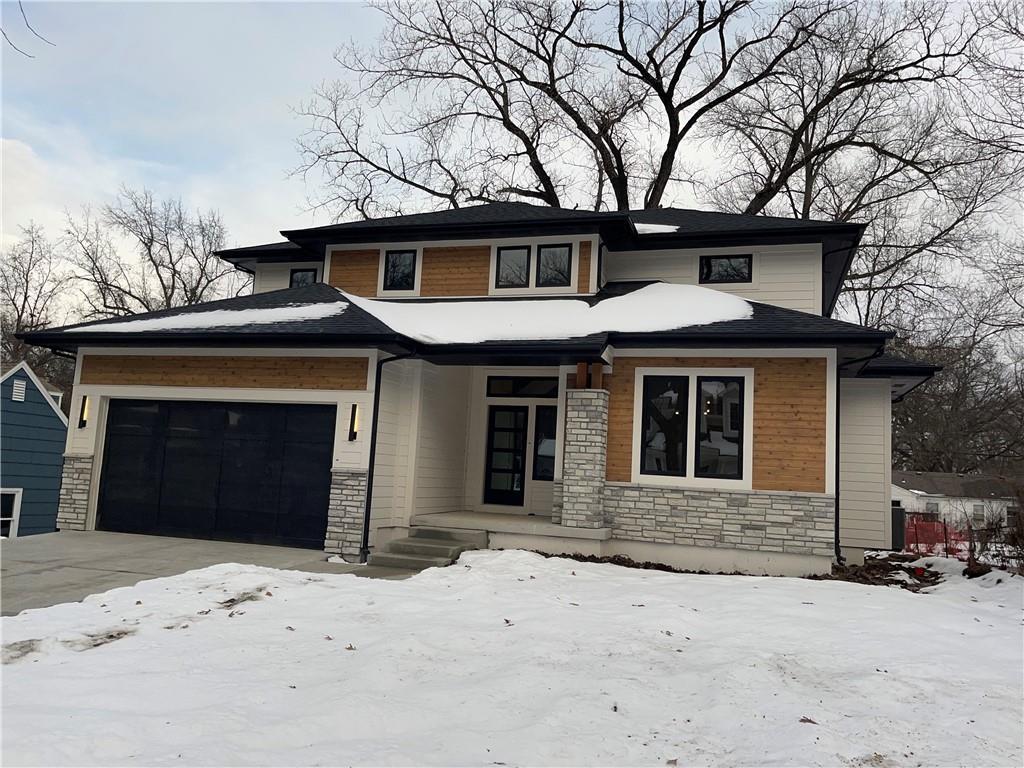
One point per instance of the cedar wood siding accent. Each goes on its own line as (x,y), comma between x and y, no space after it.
(789,417)
(583,281)
(355,271)
(201,371)
(456,271)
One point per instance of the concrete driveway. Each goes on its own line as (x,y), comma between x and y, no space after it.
(38,571)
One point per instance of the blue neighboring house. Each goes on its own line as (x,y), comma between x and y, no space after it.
(32,434)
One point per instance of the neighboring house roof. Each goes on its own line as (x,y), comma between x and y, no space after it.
(956,485)
(38,383)
(312,316)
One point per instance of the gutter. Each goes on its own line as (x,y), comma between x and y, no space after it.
(364,545)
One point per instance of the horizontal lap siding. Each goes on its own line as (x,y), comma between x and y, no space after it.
(456,271)
(244,372)
(789,418)
(355,271)
(864,463)
(583,281)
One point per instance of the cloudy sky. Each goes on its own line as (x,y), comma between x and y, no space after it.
(189,99)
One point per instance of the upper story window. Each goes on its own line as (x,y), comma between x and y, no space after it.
(554,266)
(399,271)
(300,278)
(726,269)
(513,267)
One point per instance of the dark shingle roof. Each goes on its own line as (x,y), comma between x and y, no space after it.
(694,221)
(891,365)
(957,485)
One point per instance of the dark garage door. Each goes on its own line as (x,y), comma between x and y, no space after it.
(235,471)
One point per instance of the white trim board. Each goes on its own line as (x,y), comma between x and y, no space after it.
(24,367)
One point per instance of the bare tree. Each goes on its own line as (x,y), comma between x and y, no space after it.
(33,295)
(174,263)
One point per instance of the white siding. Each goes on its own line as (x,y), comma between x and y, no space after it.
(440,462)
(865,463)
(952,509)
(785,275)
(273,277)
(390,479)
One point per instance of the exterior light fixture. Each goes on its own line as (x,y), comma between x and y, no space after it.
(353,422)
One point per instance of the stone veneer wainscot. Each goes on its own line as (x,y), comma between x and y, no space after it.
(73,502)
(345,513)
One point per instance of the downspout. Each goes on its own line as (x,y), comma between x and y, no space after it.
(364,546)
(839,367)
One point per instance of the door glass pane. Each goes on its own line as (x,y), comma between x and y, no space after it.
(544,442)
(663,429)
(502,460)
(719,427)
(501,481)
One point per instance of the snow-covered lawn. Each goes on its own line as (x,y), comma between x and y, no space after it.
(508,658)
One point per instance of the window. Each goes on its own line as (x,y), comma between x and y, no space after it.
(522,386)
(400,271)
(300,278)
(554,266)
(513,268)
(979,514)
(544,424)
(663,425)
(726,269)
(10,502)
(719,425)
(931,507)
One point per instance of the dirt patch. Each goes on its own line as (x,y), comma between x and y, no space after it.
(16,651)
(628,562)
(243,597)
(891,571)
(95,640)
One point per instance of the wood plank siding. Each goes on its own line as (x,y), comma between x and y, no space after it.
(789,417)
(583,279)
(335,373)
(456,271)
(355,271)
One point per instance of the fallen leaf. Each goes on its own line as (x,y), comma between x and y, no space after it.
(807,720)
(350,647)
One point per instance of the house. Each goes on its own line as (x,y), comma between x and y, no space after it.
(33,431)
(957,497)
(666,385)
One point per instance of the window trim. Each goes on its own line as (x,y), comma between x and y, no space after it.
(749,257)
(536,275)
(691,480)
(696,427)
(16,512)
(382,289)
(497,267)
(294,270)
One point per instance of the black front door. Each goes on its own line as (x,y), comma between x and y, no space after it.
(506,454)
(237,471)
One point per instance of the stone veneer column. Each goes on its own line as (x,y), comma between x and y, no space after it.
(584,455)
(73,501)
(345,513)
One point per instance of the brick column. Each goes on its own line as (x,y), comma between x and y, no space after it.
(345,513)
(73,501)
(584,456)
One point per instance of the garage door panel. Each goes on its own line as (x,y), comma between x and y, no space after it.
(238,471)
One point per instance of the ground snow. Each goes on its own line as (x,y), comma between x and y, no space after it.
(508,658)
(223,318)
(655,307)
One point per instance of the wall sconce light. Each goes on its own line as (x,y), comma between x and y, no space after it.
(353,422)
(83,412)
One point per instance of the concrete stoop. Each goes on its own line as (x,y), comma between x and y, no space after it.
(427,547)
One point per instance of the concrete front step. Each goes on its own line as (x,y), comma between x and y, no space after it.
(429,547)
(457,535)
(410,562)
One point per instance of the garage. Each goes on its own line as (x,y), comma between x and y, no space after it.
(255,472)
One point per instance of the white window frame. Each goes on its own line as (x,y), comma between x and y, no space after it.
(417,274)
(690,480)
(16,516)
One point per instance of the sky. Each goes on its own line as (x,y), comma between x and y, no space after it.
(191,100)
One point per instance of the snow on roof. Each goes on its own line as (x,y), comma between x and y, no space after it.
(654,229)
(655,307)
(221,318)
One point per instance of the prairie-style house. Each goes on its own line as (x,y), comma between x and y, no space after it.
(666,384)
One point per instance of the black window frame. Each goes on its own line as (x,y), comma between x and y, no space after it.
(741,380)
(298,271)
(683,408)
(497,266)
(521,381)
(384,270)
(706,259)
(536,443)
(540,252)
